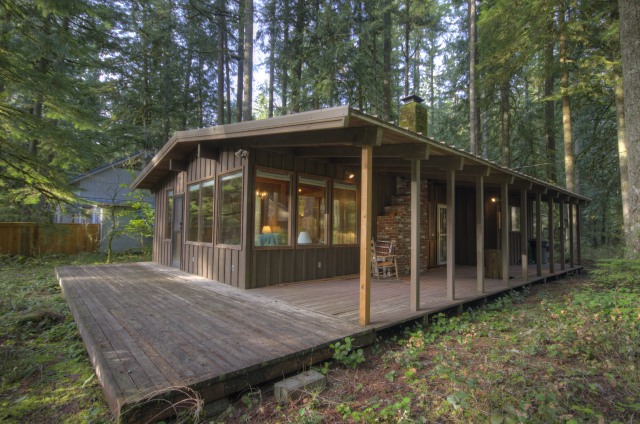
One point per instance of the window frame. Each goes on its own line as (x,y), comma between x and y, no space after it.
(327,214)
(168,216)
(199,228)
(357,192)
(218,227)
(292,207)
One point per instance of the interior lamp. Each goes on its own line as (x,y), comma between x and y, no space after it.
(266,229)
(304,238)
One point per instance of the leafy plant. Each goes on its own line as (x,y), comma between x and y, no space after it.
(344,353)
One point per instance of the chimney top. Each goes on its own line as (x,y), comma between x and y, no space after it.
(412,98)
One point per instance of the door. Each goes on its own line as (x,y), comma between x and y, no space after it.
(176,233)
(442,234)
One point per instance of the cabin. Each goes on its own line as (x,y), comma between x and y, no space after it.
(300,197)
(100,189)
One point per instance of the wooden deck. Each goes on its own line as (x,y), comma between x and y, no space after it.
(150,329)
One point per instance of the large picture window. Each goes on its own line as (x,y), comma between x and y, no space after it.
(312,204)
(272,209)
(345,213)
(200,211)
(169,216)
(230,224)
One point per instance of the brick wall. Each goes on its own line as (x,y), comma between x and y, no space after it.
(395,225)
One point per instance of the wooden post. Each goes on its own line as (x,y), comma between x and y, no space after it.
(504,234)
(538,234)
(551,236)
(451,234)
(561,233)
(480,233)
(570,210)
(415,234)
(365,234)
(524,235)
(578,220)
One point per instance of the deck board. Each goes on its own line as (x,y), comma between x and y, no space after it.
(148,328)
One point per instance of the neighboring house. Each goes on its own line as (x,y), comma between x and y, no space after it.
(100,190)
(299,197)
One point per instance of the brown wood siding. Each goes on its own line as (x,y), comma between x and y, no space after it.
(222,263)
(161,246)
(275,266)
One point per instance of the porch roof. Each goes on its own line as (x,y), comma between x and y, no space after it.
(336,134)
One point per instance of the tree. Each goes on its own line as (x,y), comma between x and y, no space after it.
(474,113)
(630,47)
(49,108)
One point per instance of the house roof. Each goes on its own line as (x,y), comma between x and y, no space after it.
(336,134)
(107,166)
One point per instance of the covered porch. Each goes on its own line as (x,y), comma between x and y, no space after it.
(152,330)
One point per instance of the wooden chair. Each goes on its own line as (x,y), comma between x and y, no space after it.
(383,259)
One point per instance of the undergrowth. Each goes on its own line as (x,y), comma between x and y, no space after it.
(45,374)
(568,351)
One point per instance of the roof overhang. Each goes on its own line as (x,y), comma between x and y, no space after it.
(337,133)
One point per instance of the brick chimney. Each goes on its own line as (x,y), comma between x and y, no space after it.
(414,115)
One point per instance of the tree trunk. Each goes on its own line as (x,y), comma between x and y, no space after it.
(407,36)
(298,39)
(284,78)
(549,113)
(473,105)
(622,156)
(271,10)
(505,118)
(240,55)
(221,62)
(566,106)
(630,46)
(248,61)
(186,91)
(227,75)
(386,65)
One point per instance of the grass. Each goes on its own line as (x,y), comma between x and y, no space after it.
(567,351)
(45,373)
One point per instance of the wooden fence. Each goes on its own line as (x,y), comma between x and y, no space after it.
(29,239)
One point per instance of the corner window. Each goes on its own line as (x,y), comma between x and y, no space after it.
(230,224)
(272,209)
(200,212)
(312,204)
(169,215)
(345,213)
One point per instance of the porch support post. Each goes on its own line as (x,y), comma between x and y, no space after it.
(480,233)
(504,234)
(538,234)
(578,219)
(524,235)
(551,235)
(415,234)
(365,234)
(451,234)
(570,210)
(561,233)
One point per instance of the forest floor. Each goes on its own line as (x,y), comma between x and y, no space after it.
(565,351)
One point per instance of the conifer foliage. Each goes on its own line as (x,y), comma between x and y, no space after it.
(536,85)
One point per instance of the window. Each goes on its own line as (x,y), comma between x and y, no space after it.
(169,215)
(515,218)
(200,211)
(272,209)
(230,226)
(345,213)
(312,204)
